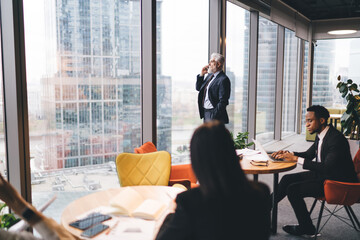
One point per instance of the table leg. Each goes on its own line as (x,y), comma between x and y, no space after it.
(275,205)
(256,177)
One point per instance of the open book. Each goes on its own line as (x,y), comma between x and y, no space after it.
(130,203)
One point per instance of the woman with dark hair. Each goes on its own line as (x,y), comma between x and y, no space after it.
(225,205)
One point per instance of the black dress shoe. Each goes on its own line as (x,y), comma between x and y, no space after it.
(297,230)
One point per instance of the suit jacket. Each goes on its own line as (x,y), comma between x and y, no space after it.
(336,162)
(246,215)
(219,94)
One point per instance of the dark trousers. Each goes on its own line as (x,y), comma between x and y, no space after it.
(296,187)
(208,115)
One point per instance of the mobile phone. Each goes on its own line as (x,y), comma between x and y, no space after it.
(94,230)
(89,221)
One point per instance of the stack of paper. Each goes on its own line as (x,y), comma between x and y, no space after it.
(246,152)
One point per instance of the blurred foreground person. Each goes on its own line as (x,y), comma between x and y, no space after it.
(225,205)
(46,227)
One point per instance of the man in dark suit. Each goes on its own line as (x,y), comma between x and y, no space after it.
(332,161)
(214,90)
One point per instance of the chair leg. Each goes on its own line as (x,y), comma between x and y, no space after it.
(355,219)
(319,220)
(350,217)
(313,206)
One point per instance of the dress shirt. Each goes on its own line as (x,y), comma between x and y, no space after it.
(321,138)
(207,103)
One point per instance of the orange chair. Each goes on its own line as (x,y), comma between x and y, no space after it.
(340,193)
(147,147)
(182,174)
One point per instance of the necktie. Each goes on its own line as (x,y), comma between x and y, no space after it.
(317,157)
(205,88)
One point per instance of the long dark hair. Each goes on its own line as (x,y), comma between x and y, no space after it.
(214,160)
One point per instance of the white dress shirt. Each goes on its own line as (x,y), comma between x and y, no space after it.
(207,103)
(321,138)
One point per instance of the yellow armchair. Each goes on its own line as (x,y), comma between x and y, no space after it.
(144,169)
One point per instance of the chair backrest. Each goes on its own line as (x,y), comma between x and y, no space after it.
(147,147)
(143,169)
(182,171)
(357,164)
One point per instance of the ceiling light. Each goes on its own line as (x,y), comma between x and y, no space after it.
(341,32)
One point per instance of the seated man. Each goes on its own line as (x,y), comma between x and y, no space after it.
(332,161)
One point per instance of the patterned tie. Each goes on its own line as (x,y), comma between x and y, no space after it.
(205,88)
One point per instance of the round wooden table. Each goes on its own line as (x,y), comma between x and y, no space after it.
(272,168)
(95,200)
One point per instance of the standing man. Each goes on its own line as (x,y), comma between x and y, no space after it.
(214,90)
(332,161)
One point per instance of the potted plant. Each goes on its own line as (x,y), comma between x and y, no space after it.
(241,139)
(7,219)
(350,120)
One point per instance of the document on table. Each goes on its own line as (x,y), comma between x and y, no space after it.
(247,152)
(257,158)
(129,228)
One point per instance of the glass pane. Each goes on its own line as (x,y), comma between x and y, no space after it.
(237,65)
(289,83)
(324,73)
(265,115)
(3,161)
(305,82)
(179,59)
(83,81)
(332,58)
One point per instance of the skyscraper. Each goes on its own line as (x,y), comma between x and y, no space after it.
(92,97)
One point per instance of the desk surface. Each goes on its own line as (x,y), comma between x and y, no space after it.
(277,167)
(102,198)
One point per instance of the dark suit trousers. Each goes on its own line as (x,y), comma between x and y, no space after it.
(208,115)
(296,187)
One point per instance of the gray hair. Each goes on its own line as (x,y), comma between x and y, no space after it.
(218,57)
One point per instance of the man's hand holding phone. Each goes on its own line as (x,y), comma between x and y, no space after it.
(204,70)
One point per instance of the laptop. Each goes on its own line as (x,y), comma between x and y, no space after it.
(268,154)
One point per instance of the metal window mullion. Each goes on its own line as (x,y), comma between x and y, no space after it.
(310,74)
(148,70)
(215,26)
(253,68)
(279,82)
(300,78)
(15,97)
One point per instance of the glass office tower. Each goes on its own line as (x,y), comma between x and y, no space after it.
(91,102)
(323,87)
(85,108)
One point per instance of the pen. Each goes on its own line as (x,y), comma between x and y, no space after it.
(112,227)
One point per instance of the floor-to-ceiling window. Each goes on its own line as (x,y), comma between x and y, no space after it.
(290,81)
(332,58)
(83,81)
(237,65)
(266,84)
(182,51)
